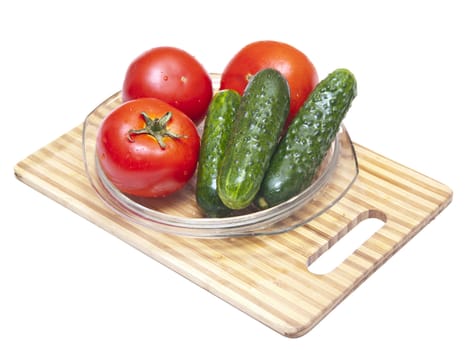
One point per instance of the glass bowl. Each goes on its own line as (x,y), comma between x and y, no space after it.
(179,213)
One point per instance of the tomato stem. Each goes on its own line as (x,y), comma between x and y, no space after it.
(157,128)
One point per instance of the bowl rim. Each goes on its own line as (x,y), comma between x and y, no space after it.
(255,223)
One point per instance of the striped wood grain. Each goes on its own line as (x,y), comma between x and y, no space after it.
(264,276)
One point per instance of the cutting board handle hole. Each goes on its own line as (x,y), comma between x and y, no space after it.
(325,261)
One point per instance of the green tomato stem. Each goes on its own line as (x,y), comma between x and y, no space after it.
(157,128)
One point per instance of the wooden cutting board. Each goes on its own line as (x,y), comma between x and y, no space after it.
(266,277)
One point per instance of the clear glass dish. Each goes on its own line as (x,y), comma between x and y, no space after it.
(179,213)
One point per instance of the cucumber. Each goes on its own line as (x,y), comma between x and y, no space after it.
(259,122)
(300,152)
(217,129)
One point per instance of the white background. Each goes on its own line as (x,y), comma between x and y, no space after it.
(67,284)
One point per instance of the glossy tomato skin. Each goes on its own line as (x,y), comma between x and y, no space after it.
(172,75)
(135,163)
(293,64)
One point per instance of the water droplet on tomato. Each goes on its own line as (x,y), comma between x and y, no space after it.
(165,78)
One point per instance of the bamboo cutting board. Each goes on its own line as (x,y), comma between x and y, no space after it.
(266,277)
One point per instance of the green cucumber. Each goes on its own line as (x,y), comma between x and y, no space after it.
(217,129)
(301,151)
(258,125)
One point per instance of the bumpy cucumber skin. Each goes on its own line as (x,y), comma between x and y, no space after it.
(258,125)
(308,139)
(216,133)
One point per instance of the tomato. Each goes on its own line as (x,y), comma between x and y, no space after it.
(148,148)
(293,64)
(172,75)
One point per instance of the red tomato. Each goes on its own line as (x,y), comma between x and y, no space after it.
(143,153)
(172,75)
(295,66)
